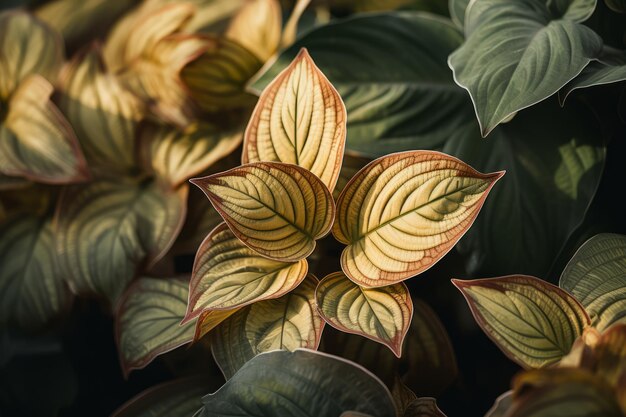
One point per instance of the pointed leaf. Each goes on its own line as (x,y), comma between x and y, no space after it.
(257,26)
(533,322)
(299,119)
(278,210)
(596,276)
(280,383)
(403,212)
(382,314)
(423,407)
(147,323)
(227,274)
(289,322)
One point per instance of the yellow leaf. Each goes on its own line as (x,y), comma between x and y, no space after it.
(227,274)
(257,27)
(610,355)
(299,119)
(381,314)
(209,320)
(403,212)
(534,323)
(278,210)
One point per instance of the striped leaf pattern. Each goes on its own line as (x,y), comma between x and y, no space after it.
(289,322)
(403,212)
(596,276)
(533,322)
(227,274)
(278,210)
(257,26)
(147,323)
(382,314)
(299,119)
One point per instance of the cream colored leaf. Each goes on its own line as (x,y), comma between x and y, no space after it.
(403,212)
(227,274)
(289,322)
(299,119)
(382,314)
(257,26)
(278,210)
(533,322)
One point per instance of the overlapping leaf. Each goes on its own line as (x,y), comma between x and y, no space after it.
(533,322)
(402,213)
(257,26)
(209,320)
(289,322)
(227,274)
(276,209)
(457,11)
(350,166)
(423,407)
(299,119)
(596,73)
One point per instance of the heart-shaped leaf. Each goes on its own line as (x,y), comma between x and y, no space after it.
(289,322)
(257,26)
(147,323)
(280,383)
(596,276)
(533,322)
(382,314)
(227,274)
(519,53)
(299,119)
(279,210)
(403,212)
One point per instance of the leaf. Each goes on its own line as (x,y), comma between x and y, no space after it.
(35,139)
(33,291)
(176,155)
(519,53)
(501,405)
(618,6)
(12,183)
(382,314)
(280,383)
(609,355)
(227,274)
(299,119)
(423,407)
(257,26)
(147,323)
(533,322)
(596,276)
(596,73)
(289,322)
(209,320)
(398,89)
(402,396)
(278,210)
(403,212)
(457,11)
(107,229)
(351,165)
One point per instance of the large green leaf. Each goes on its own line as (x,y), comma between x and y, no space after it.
(596,73)
(147,323)
(107,229)
(457,11)
(520,52)
(398,90)
(303,383)
(596,276)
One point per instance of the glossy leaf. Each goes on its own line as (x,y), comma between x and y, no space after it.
(257,26)
(289,322)
(278,210)
(299,119)
(403,212)
(519,53)
(107,229)
(534,323)
(147,322)
(280,383)
(423,407)
(227,274)
(382,314)
(596,276)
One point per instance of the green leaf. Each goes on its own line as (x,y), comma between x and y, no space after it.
(596,73)
(618,6)
(280,383)
(107,229)
(519,53)
(147,322)
(289,322)
(534,323)
(596,276)
(398,89)
(457,11)
(31,287)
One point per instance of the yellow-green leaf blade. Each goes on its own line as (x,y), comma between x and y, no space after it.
(276,209)
(403,212)
(534,323)
(257,26)
(227,274)
(382,314)
(289,322)
(209,320)
(299,119)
